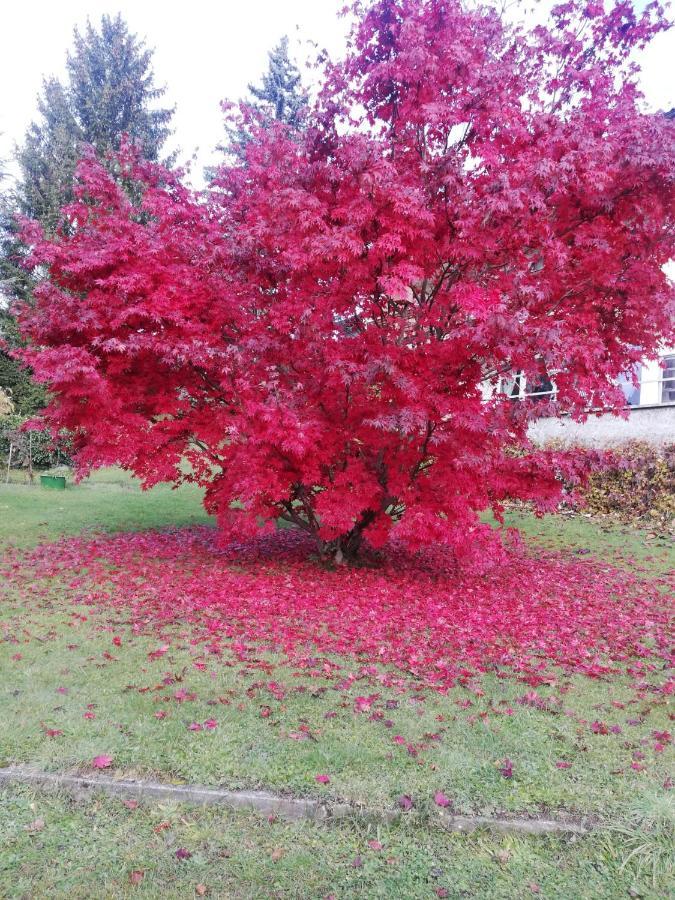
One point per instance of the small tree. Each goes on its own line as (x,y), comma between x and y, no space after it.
(324,337)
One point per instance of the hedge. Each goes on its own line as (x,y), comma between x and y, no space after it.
(637,485)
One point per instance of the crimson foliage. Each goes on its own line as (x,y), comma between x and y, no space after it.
(320,334)
(410,622)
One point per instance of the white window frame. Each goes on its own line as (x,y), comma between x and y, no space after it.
(652,380)
(650,384)
(520,379)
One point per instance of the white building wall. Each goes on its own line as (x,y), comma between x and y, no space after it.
(651,419)
(653,424)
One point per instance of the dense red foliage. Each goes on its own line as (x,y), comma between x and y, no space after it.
(320,332)
(410,621)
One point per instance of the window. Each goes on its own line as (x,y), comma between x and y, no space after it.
(668,380)
(513,386)
(541,389)
(630,391)
(516,387)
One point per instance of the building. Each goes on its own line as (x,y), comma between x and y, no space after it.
(650,406)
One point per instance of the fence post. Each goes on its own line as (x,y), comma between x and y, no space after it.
(30,456)
(9,461)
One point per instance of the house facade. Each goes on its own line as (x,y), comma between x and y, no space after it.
(650,406)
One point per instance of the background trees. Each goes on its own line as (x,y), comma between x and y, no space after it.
(323,336)
(19,393)
(109,91)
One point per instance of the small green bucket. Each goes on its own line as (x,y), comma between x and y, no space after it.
(53,482)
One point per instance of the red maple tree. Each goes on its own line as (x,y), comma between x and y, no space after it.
(320,335)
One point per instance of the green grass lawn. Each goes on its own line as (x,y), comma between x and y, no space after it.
(55,847)
(61,671)
(110,500)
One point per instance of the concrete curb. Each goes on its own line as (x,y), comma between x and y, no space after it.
(293,809)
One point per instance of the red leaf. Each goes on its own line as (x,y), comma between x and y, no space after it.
(506,768)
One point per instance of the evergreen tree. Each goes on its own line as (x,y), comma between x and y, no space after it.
(109,92)
(16,383)
(18,392)
(280,98)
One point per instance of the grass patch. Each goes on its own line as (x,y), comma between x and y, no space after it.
(110,500)
(78,682)
(54,847)
(63,673)
(638,549)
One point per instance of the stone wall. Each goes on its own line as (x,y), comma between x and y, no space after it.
(654,424)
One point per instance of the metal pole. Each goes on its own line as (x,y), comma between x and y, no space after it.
(30,456)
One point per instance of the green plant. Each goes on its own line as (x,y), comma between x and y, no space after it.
(647,838)
(40,446)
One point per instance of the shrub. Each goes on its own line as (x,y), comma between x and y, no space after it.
(322,333)
(44,451)
(638,484)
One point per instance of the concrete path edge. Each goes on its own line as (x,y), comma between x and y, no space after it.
(293,809)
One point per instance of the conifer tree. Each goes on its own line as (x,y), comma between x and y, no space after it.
(281,95)
(18,392)
(280,98)
(109,92)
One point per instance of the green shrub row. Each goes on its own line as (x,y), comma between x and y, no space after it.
(44,452)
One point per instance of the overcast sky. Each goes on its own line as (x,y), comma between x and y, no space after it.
(205,51)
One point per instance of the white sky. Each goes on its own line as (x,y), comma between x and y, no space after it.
(205,51)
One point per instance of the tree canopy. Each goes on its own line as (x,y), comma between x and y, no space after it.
(322,335)
(109,92)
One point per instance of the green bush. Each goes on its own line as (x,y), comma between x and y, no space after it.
(44,452)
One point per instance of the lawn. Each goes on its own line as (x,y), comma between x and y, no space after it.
(89,669)
(107,501)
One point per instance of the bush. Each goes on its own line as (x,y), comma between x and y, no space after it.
(44,451)
(638,484)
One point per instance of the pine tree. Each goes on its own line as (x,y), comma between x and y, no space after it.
(109,92)
(18,392)
(280,98)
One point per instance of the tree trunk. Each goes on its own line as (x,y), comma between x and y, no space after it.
(348,547)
